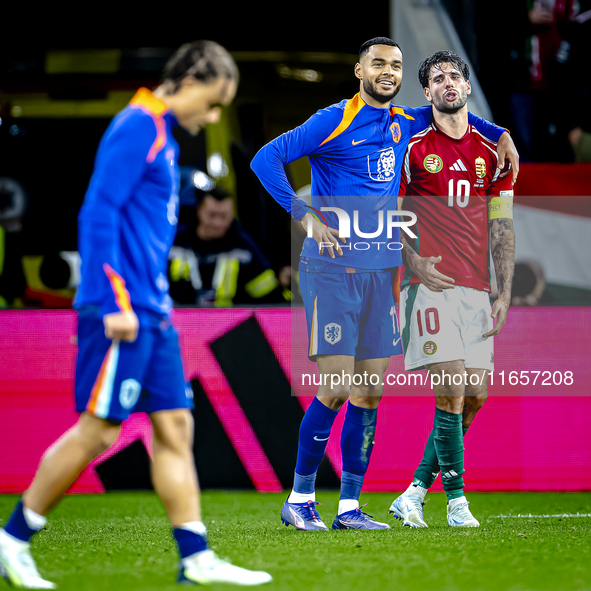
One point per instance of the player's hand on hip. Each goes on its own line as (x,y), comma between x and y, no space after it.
(500,310)
(121,326)
(431,278)
(508,152)
(324,236)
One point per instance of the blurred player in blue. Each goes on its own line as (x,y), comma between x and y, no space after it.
(128,353)
(356,149)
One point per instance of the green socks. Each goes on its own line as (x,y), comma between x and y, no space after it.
(428,469)
(444,451)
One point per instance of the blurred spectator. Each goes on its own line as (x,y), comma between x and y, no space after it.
(29,279)
(541,118)
(13,203)
(214,261)
(529,284)
(579,35)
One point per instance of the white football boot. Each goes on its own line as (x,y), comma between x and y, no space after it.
(459,515)
(206,568)
(409,508)
(17,566)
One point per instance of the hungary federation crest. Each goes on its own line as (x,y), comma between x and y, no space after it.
(433,163)
(480,167)
(429,348)
(332,333)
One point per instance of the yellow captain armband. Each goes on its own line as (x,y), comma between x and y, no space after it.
(501,206)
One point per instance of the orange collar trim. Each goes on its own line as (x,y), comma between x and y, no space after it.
(144,98)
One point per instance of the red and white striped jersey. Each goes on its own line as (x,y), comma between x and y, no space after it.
(448,183)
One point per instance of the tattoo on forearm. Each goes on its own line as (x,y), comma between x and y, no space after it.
(502,237)
(407,251)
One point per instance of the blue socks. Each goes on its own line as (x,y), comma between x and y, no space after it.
(314,433)
(357,441)
(24,523)
(190,538)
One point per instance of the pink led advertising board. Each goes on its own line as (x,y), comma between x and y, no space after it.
(534,432)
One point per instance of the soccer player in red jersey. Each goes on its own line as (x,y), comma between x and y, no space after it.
(450,180)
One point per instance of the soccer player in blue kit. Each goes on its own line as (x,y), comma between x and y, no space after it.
(356,149)
(128,353)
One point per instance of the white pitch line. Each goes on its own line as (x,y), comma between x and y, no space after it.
(530,515)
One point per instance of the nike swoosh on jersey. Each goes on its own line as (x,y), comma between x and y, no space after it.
(316,438)
(359,142)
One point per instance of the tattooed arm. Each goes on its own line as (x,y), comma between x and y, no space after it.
(424,268)
(502,237)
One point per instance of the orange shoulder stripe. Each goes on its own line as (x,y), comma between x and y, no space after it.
(399,111)
(160,140)
(352,107)
(118,286)
(156,108)
(144,98)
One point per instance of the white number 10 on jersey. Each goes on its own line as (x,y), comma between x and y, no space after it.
(461,192)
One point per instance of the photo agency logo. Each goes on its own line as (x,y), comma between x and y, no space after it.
(360,240)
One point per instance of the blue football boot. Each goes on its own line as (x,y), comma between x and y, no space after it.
(302,516)
(357,519)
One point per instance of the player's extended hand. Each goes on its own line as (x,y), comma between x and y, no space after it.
(424,268)
(324,236)
(507,151)
(121,326)
(500,310)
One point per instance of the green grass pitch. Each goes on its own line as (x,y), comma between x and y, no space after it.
(122,541)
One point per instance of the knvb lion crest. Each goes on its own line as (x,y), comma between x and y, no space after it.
(382,168)
(396,133)
(332,333)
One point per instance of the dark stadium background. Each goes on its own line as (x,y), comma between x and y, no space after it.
(53,157)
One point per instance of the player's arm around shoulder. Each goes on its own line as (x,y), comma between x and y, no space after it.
(507,151)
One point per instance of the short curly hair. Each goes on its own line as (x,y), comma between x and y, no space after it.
(204,60)
(376,41)
(435,61)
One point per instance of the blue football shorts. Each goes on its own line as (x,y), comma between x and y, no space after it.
(115,379)
(350,314)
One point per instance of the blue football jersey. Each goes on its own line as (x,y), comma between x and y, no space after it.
(356,153)
(128,219)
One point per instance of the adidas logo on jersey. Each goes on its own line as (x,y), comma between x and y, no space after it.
(458,165)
